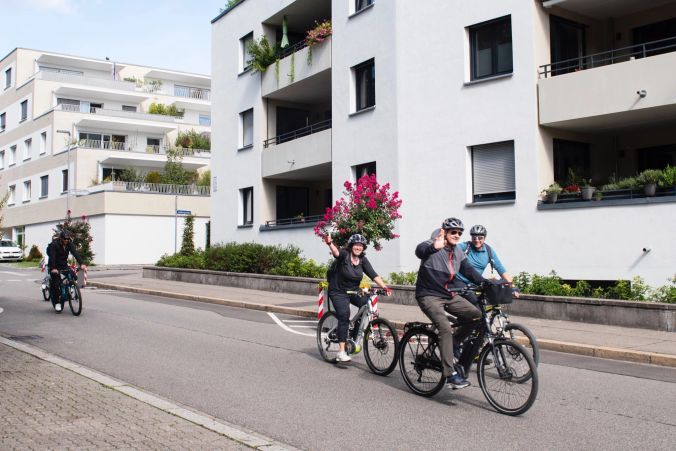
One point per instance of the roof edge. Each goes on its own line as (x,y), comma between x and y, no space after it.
(227,10)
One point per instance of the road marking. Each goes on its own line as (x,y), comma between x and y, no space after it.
(13,280)
(1,310)
(12,273)
(301,321)
(285,327)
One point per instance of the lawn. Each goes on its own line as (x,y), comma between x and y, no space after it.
(23,264)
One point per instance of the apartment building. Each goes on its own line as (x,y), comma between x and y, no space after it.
(468,109)
(71,126)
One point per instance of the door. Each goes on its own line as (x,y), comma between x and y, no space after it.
(567,42)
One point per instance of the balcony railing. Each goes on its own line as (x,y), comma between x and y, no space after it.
(118,113)
(288,50)
(66,76)
(152,149)
(192,93)
(152,188)
(297,220)
(609,57)
(98,144)
(299,133)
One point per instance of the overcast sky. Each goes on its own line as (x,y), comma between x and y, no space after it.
(170,34)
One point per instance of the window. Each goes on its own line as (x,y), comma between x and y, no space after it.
(491,48)
(493,172)
(43,142)
(2,160)
(44,186)
(246,195)
(70,105)
(27,148)
(361,4)
(3,122)
(364,169)
(292,202)
(246,125)
(12,194)
(205,119)
(8,78)
(12,155)
(27,191)
(571,156)
(64,180)
(365,84)
(244,55)
(24,110)
(153,145)
(129,108)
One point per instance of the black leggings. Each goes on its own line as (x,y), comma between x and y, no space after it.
(341,304)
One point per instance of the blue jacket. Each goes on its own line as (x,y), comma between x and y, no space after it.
(479,259)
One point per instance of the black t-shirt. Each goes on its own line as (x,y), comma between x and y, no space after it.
(347,276)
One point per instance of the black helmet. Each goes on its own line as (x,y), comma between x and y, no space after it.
(356,239)
(452,223)
(478,230)
(65,235)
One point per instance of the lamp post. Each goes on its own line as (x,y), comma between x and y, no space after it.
(67,132)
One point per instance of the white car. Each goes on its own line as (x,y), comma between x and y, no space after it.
(9,251)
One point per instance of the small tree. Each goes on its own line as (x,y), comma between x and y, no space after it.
(188,245)
(80,231)
(174,172)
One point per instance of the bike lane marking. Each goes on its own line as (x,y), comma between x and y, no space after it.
(285,327)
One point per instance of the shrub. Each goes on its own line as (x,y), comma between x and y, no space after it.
(262,54)
(204,179)
(668,177)
(130,175)
(627,183)
(188,245)
(153,177)
(34,254)
(649,176)
(192,140)
(195,261)
(403,278)
(160,108)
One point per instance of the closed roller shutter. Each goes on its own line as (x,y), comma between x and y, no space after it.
(493,169)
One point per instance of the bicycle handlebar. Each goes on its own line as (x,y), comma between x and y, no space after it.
(370,291)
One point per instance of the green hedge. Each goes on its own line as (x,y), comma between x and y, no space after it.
(251,258)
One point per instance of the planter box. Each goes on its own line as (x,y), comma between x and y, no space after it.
(646,315)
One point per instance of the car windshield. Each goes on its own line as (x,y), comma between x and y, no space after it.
(8,244)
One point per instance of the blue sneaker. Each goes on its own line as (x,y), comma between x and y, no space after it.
(455,381)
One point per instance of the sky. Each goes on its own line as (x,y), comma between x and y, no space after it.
(169,34)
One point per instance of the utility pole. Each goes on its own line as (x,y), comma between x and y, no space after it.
(175,222)
(67,132)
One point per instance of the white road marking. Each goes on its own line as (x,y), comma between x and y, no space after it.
(285,327)
(301,321)
(13,280)
(12,273)
(1,310)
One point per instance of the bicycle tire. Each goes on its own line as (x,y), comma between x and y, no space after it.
(420,358)
(327,339)
(519,377)
(529,342)
(381,347)
(74,299)
(45,294)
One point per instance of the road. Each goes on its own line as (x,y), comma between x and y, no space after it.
(245,368)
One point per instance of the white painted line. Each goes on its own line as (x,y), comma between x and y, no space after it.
(287,328)
(301,321)
(13,280)
(1,310)
(308,327)
(12,273)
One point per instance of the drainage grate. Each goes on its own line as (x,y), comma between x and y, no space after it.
(24,337)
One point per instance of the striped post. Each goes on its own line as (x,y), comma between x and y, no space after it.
(84,278)
(320,303)
(374,304)
(42,265)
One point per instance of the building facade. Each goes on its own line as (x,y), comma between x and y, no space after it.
(82,135)
(468,109)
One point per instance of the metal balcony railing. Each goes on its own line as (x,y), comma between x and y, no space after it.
(609,57)
(288,50)
(299,133)
(98,144)
(153,188)
(152,149)
(297,220)
(118,113)
(192,93)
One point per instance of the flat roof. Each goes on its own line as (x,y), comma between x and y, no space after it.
(227,10)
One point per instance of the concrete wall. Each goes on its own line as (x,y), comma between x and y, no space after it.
(301,153)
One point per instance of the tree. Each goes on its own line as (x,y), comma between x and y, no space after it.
(80,232)
(174,172)
(188,245)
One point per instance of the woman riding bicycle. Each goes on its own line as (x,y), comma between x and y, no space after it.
(348,270)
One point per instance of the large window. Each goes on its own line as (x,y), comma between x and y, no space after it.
(244,55)
(27,191)
(44,186)
(246,205)
(491,48)
(64,180)
(493,172)
(571,156)
(8,78)
(24,110)
(365,84)
(3,122)
(246,127)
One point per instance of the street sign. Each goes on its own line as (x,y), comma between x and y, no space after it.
(183,212)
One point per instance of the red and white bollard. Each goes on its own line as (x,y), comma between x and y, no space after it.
(374,304)
(320,303)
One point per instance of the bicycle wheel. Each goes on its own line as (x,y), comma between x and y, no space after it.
(508,377)
(420,362)
(327,336)
(45,294)
(380,347)
(75,299)
(522,335)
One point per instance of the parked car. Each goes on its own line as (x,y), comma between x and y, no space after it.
(10,252)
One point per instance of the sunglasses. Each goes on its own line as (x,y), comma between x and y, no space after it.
(478,237)
(455,232)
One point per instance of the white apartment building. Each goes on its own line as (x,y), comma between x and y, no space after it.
(69,128)
(468,109)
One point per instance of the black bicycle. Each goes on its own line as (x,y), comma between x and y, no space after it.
(378,336)
(70,292)
(501,325)
(506,371)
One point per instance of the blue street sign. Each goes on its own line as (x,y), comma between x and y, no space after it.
(183,212)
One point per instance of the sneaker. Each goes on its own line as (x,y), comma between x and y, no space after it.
(343,357)
(455,381)
(58,307)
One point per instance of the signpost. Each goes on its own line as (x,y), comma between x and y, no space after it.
(183,212)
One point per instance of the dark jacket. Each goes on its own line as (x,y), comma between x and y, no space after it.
(434,273)
(345,276)
(58,255)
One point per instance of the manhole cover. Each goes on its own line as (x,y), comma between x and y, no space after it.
(24,337)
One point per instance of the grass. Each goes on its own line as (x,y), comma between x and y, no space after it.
(23,264)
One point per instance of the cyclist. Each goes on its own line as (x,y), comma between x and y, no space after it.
(58,252)
(347,271)
(441,260)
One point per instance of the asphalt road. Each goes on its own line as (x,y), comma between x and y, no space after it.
(244,367)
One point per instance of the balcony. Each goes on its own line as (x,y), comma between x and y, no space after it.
(610,90)
(118,113)
(192,93)
(306,157)
(148,149)
(74,77)
(299,133)
(152,188)
(107,145)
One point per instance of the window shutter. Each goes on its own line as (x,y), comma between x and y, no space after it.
(493,168)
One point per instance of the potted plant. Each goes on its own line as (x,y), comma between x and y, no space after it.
(551,193)
(668,178)
(587,189)
(598,195)
(648,179)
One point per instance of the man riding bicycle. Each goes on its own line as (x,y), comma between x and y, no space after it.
(441,261)
(58,251)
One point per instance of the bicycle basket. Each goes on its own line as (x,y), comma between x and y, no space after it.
(498,293)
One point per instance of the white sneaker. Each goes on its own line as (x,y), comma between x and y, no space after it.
(58,307)
(343,357)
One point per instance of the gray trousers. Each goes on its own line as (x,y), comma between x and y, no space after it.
(434,308)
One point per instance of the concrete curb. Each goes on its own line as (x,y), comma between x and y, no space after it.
(604,352)
(201,419)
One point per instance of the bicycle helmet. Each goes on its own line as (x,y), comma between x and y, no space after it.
(452,223)
(356,239)
(478,230)
(65,235)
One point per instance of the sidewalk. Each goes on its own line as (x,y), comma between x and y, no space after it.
(619,343)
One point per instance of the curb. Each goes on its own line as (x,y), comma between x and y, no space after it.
(232,432)
(604,352)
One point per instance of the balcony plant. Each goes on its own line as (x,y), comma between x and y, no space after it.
(587,189)
(263,54)
(551,193)
(648,179)
(170,110)
(317,35)
(668,177)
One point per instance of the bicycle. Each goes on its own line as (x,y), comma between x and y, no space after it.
(505,370)
(44,286)
(379,337)
(70,291)
(501,325)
